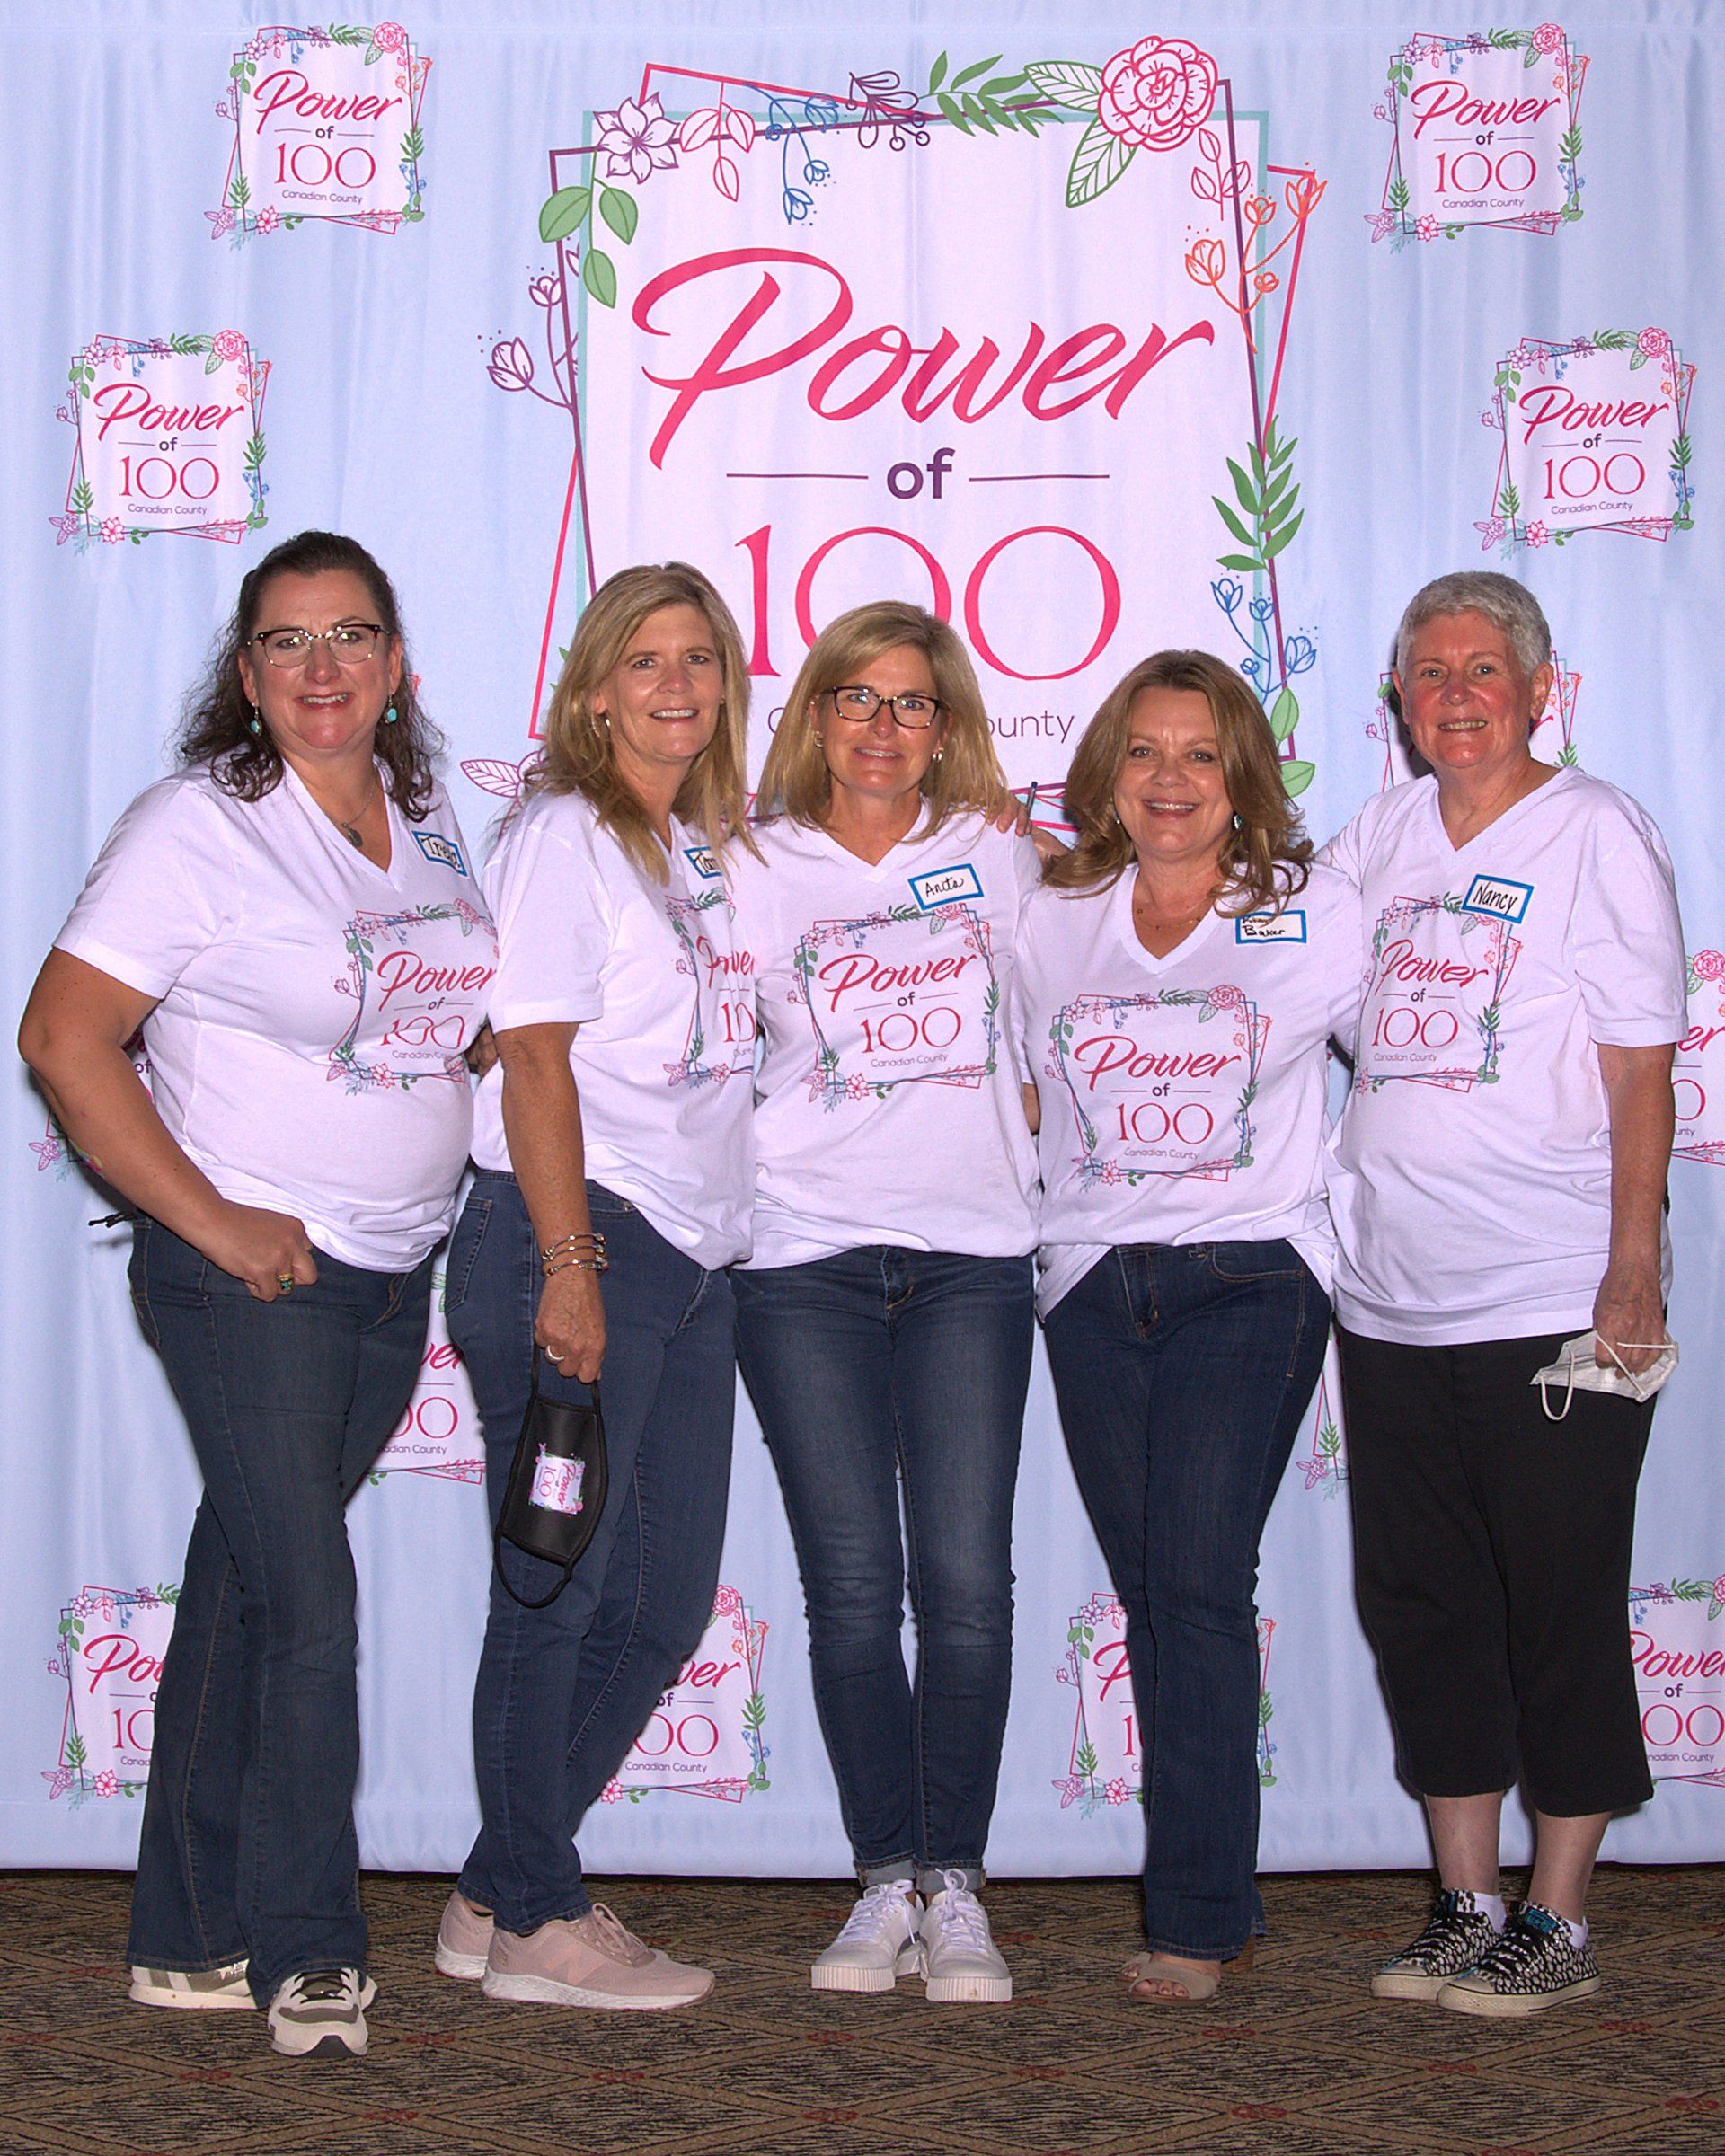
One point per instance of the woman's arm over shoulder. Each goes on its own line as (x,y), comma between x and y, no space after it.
(1624,939)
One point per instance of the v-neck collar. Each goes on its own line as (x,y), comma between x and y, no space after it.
(1190,943)
(1512,815)
(325,823)
(888,864)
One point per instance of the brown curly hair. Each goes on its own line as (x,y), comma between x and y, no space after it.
(215,729)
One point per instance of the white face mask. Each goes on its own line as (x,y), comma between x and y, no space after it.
(1576,1369)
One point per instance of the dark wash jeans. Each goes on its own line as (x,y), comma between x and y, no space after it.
(871,1370)
(563,1691)
(248,1845)
(1183,1374)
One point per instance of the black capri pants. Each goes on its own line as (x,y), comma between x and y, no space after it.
(1491,1551)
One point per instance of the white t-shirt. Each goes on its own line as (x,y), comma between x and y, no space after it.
(891,1109)
(1470,1172)
(1183,1097)
(652,976)
(305,1047)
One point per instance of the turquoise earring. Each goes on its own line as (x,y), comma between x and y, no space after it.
(389,716)
(254,725)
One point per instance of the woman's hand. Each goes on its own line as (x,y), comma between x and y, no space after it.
(1627,1309)
(1014,816)
(571,1323)
(263,1249)
(481,1050)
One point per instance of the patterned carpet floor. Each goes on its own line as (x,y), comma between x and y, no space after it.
(1293,2059)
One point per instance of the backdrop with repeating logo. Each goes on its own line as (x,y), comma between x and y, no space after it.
(1097,329)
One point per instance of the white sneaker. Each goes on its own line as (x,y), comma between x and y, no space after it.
(878,1944)
(960,1954)
(321,2011)
(223,1988)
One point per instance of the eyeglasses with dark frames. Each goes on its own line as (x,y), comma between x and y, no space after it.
(862,705)
(351,643)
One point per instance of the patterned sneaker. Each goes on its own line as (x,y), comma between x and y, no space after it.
(959,1952)
(463,1939)
(320,2013)
(1457,1935)
(588,1961)
(223,1990)
(1530,1966)
(877,1947)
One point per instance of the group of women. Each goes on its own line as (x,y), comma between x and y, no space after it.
(845,1091)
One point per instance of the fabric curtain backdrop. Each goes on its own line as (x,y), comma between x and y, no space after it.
(1227,329)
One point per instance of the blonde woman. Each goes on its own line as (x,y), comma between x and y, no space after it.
(885,1316)
(1179,975)
(614,1126)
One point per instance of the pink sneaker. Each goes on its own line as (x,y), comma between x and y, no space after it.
(588,1961)
(463,1939)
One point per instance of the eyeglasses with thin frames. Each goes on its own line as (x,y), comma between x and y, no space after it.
(351,643)
(862,705)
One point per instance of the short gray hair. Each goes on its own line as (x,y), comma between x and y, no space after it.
(1505,604)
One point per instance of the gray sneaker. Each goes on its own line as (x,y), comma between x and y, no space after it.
(221,1991)
(320,2013)
(1456,1934)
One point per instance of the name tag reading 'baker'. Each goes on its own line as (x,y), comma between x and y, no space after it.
(1498,896)
(1288,926)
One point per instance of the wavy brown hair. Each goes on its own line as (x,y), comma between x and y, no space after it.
(796,782)
(1263,862)
(578,757)
(215,729)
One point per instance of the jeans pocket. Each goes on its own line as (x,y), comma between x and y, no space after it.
(1254,1260)
(464,1246)
(605,1204)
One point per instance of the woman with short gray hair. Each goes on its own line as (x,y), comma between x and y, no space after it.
(1496,1183)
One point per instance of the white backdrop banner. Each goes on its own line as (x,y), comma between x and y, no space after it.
(1096,336)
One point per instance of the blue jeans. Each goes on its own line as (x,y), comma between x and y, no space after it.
(871,1370)
(563,1691)
(248,1845)
(1182,1375)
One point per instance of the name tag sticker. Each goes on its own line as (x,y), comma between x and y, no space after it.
(941,887)
(1498,898)
(444,851)
(703,861)
(1288,926)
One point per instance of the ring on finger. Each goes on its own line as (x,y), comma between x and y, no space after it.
(285,1282)
(552,1356)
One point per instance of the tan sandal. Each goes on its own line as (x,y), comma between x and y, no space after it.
(1196,1985)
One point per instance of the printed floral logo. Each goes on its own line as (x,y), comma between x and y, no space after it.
(704,1739)
(710,969)
(1325,1466)
(169,440)
(891,1004)
(1434,997)
(108,1652)
(1486,131)
(1677,1645)
(1586,446)
(1698,1071)
(326,126)
(1105,1763)
(427,1030)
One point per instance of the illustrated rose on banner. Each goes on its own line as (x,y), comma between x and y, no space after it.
(1154,96)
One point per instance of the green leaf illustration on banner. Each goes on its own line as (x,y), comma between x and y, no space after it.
(345,33)
(968,103)
(1097,163)
(1074,84)
(565,212)
(1296,777)
(1266,516)
(600,277)
(413,144)
(1283,714)
(619,212)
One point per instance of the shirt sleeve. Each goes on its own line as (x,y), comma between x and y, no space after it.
(1344,930)
(1625,939)
(548,898)
(162,890)
(1342,853)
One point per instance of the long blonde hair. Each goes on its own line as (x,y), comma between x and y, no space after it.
(796,781)
(578,757)
(1262,860)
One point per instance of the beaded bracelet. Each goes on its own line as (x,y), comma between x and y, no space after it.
(597,1263)
(585,1239)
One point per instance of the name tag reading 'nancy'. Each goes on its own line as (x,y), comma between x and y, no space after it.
(1498,896)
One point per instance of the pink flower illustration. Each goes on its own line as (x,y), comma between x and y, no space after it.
(1225,998)
(107,1783)
(545,291)
(112,530)
(228,344)
(1708,965)
(1537,534)
(1117,1791)
(635,140)
(1383,223)
(1427,227)
(1653,343)
(1547,37)
(1157,92)
(268,217)
(512,366)
(612,1793)
(1719,1588)
(389,37)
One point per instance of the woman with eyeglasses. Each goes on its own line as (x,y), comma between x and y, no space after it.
(293,922)
(884,1320)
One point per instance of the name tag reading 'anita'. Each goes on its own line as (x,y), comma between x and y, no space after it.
(941,887)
